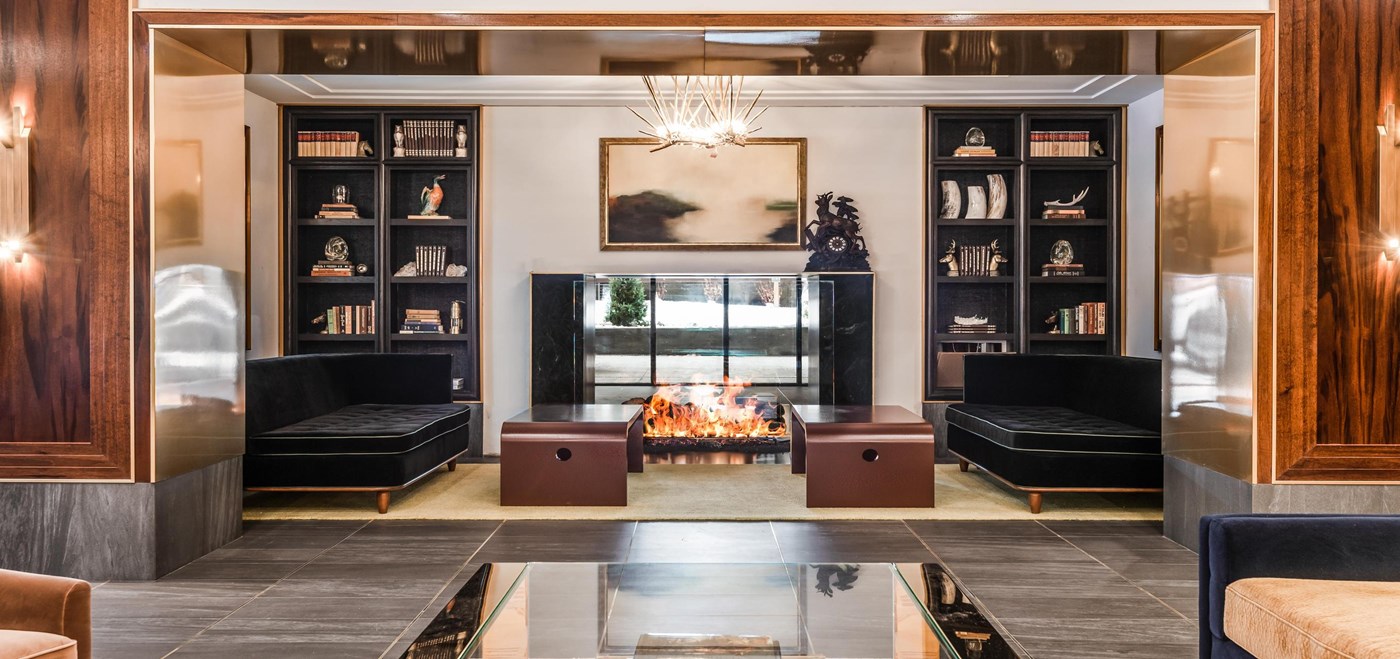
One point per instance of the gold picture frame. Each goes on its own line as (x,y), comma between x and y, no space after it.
(656,200)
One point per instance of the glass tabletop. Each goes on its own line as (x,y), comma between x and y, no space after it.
(655,610)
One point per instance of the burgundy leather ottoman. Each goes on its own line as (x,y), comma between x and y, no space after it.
(857,456)
(566,455)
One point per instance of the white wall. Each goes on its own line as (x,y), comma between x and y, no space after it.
(644,6)
(540,206)
(1144,116)
(262,117)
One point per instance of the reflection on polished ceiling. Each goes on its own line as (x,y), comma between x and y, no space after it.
(627,90)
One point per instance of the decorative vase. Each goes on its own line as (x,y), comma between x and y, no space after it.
(996,191)
(952,201)
(976,203)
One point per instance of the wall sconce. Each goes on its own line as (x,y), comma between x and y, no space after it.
(1388,183)
(14,188)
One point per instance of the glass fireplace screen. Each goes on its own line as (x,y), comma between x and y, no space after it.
(645,331)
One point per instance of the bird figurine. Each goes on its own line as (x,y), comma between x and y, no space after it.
(432,197)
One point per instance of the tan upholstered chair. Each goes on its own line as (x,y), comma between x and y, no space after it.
(43,617)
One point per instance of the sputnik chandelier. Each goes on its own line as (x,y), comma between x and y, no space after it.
(704,112)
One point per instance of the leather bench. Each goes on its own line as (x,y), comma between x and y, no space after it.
(567,455)
(351,423)
(1061,423)
(864,456)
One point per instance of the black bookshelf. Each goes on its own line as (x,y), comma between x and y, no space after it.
(1020,300)
(385,190)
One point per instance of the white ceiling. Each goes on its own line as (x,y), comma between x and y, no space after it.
(625,90)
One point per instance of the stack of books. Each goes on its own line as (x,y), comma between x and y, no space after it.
(350,319)
(1063,213)
(429,138)
(1087,318)
(1060,144)
(975,152)
(431,260)
(328,144)
(338,212)
(972,329)
(421,321)
(1062,270)
(333,269)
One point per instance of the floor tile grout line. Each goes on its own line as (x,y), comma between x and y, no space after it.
(274,584)
(445,585)
(1116,573)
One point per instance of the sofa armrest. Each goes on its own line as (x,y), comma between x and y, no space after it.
(41,603)
(1014,380)
(398,379)
(1338,547)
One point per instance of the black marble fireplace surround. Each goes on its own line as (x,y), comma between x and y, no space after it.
(847,334)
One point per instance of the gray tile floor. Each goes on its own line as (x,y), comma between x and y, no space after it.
(365,589)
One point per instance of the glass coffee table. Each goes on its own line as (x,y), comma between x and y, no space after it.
(655,610)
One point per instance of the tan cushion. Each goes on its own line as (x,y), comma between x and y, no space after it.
(36,645)
(1314,618)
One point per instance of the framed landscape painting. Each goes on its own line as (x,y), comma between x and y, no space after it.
(681,198)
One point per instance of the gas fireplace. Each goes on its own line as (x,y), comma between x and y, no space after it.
(724,417)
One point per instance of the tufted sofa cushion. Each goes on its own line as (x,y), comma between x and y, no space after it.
(1046,428)
(366,428)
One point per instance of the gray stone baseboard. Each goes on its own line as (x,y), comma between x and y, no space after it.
(1193,491)
(120,531)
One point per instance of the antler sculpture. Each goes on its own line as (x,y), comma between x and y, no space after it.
(1077,198)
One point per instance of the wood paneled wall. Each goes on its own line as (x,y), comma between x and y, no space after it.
(65,342)
(1358,316)
(1338,345)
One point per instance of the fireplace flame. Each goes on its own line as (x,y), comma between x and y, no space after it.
(707,410)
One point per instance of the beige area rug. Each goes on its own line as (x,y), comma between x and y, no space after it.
(709,492)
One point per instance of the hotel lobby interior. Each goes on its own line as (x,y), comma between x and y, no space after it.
(428,329)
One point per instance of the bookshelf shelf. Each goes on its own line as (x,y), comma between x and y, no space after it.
(385,190)
(1069,337)
(1041,279)
(335,280)
(336,338)
(1020,302)
(444,338)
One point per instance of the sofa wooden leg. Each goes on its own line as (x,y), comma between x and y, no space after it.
(452,464)
(962,465)
(1034,498)
(383,500)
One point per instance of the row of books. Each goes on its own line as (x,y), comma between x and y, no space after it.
(1060,144)
(328,143)
(431,260)
(972,329)
(979,261)
(429,138)
(1062,270)
(421,321)
(1063,213)
(1087,318)
(975,152)
(350,319)
(338,212)
(333,269)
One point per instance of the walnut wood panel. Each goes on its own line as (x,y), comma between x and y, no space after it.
(65,405)
(1338,351)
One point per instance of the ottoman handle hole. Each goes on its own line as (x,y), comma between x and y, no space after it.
(870,455)
(563,455)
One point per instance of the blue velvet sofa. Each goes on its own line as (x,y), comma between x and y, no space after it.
(1061,423)
(351,422)
(1332,578)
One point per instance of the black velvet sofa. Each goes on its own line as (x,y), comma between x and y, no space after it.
(1061,423)
(1336,554)
(358,423)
